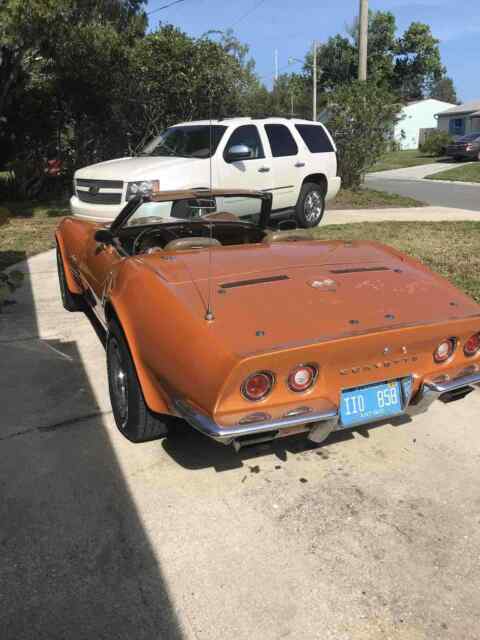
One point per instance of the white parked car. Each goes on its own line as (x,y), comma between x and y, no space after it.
(293,159)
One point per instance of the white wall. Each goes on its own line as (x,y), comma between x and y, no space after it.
(416,116)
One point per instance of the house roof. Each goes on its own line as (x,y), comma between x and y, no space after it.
(467,107)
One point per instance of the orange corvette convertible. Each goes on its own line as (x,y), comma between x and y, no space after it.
(250,334)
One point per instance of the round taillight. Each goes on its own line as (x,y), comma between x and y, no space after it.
(258,385)
(444,350)
(472,345)
(302,377)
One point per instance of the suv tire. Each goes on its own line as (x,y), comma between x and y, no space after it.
(310,206)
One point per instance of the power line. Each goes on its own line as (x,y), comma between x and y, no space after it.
(164,6)
(247,13)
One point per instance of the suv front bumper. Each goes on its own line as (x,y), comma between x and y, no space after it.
(97,212)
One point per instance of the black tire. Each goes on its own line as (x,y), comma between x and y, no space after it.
(310,206)
(71,301)
(132,416)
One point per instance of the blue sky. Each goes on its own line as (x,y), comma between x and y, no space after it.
(291,27)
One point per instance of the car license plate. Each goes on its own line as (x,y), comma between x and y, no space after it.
(370,403)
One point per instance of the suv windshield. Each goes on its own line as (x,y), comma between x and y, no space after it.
(186,142)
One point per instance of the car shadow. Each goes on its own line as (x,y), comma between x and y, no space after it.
(75,559)
(194,451)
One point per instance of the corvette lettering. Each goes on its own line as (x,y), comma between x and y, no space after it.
(378,365)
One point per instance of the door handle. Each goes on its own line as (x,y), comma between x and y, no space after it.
(299,164)
(264,169)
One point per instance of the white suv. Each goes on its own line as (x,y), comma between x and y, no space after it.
(293,159)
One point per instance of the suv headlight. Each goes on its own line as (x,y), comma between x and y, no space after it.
(142,188)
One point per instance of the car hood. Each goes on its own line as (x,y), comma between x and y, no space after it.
(267,297)
(133,168)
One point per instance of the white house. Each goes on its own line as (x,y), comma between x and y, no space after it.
(461,119)
(416,116)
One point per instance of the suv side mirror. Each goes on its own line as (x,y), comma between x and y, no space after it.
(103,236)
(238,152)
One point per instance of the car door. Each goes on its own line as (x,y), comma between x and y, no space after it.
(288,165)
(254,172)
(96,264)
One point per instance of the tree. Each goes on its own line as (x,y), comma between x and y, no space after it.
(444,90)
(58,62)
(418,64)
(174,77)
(361,117)
(408,65)
(290,96)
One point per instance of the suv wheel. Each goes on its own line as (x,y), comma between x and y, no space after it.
(310,206)
(132,416)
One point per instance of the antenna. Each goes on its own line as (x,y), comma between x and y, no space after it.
(209,312)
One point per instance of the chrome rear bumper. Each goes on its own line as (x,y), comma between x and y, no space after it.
(429,391)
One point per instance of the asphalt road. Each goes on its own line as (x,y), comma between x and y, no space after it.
(445,194)
(374,535)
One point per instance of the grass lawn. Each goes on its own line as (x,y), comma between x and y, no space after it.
(463,173)
(370,199)
(29,230)
(401,159)
(452,249)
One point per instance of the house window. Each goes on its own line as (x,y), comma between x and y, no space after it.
(457,126)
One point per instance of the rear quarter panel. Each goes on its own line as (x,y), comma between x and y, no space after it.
(175,350)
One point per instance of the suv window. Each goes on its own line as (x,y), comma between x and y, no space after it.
(248,135)
(315,138)
(191,141)
(281,140)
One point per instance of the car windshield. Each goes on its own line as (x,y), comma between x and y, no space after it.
(195,141)
(149,213)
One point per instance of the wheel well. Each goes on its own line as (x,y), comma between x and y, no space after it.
(317,178)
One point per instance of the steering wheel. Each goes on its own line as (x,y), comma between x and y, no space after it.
(144,234)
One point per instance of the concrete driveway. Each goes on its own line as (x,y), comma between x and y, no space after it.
(410,182)
(374,535)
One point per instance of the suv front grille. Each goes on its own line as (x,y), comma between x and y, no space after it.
(99,191)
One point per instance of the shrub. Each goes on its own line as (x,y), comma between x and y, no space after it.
(361,117)
(435,143)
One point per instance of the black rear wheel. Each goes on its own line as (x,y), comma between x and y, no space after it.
(310,206)
(132,416)
(71,301)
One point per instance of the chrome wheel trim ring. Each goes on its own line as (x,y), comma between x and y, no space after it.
(313,206)
(118,379)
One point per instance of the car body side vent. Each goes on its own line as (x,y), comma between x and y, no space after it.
(360,269)
(246,283)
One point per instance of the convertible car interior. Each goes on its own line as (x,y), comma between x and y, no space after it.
(148,232)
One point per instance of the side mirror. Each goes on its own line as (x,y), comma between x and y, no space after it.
(238,152)
(103,236)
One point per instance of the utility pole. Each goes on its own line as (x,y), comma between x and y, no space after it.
(314,105)
(363,40)
(276,65)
